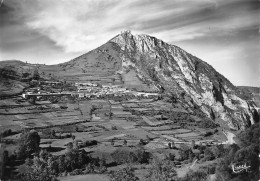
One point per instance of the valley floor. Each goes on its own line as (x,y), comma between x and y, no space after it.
(102,126)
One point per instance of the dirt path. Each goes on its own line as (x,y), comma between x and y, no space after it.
(193,163)
(230,136)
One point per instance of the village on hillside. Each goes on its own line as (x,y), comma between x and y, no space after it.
(82,90)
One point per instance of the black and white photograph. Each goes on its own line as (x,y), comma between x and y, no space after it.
(129,90)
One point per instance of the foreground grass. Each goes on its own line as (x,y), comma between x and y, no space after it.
(88,177)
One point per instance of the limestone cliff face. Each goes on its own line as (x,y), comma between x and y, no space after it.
(168,67)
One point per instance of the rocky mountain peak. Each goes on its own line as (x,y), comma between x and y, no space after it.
(141,43)
(167,67)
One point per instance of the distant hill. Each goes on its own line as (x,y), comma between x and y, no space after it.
(148,64)
(10,78)
(11,87)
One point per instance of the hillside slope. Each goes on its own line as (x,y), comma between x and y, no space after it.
(10,75)
(253,93)
(148,64)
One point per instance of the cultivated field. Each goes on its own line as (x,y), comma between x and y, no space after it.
(101,126)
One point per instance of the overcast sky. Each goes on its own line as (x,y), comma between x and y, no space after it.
(224,33)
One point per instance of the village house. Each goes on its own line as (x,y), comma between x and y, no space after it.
(89,84)
(84,95)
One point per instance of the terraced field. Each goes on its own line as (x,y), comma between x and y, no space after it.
(102,120)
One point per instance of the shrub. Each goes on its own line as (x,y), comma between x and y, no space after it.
(26,74)
(211,169)
(153,74)
(186,153)
(114,128)
(28,144)
(167,73)
(126,155)
(141,142)
(125,174)
(7,72)
(208,133)
(8,132)
(171,156)
(36,75)
(161,171)
(91,143)
(208,123)
(249,136)
(76,159)
(38,169)
(208,154)
(199,175)
(218,151)
(76,172)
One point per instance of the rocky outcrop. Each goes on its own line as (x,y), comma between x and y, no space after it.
(168,67)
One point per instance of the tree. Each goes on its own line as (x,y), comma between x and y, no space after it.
(114,128)
(53,133)
(162,171)
(36,75)
(61,164)
(141,142)
(173,145)
(193,143)
(125,155)
(7,72)
(218,151)
(125,174)
(75,145)
(125,142)
(141,155)
(32,99)
(112,142)
(191,156)
(28,144)
(249,136)
(153,74)
(148,138)
(73,137)
(71,160)
(69,146)
(26,74)
(223,170)
(171,156)
(44,154)
(38,170)
(185,152)
(200,175)
(208,155)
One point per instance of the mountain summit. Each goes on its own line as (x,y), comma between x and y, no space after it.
(146,63)
(167,67)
